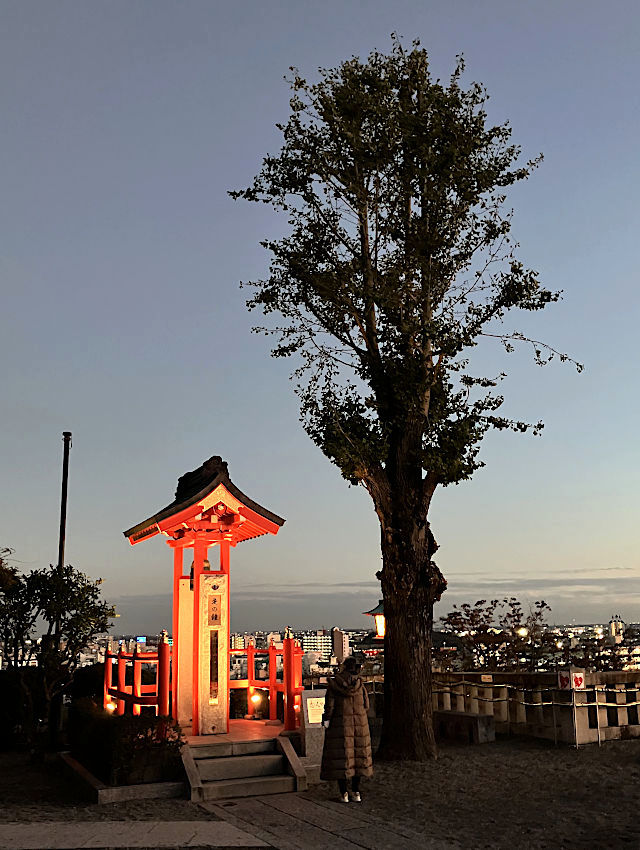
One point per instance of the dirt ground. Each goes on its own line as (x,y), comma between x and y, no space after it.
(516,794)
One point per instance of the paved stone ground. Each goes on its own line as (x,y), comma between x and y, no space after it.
(282,821)
(295,822)
(119,835)
(41,810)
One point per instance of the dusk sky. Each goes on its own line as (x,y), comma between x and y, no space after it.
(123,127)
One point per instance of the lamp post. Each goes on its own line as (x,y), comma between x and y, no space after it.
(66,438)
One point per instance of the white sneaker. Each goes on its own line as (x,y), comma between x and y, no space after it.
(355,797)
(344,798)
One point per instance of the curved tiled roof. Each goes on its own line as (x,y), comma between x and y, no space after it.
(192,488)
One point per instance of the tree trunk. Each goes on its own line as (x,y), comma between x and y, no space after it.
(407,731)
(411,583)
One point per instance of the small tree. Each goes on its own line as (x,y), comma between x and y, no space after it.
(497,635)
(68,603)
(397,263)
(480,639)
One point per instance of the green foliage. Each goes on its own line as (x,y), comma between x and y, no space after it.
(146,741)
(497,635)
(91,732)
(398,260)
(19,610)
(127,749)
(68,603)
(14,720)
(88,681)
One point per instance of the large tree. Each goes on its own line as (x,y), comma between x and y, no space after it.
(397,261)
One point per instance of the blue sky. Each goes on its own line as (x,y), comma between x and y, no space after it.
(124,125)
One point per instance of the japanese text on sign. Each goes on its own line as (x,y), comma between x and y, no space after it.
(214,610)
(315,709)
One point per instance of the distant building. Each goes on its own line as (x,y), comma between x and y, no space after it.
(339,644)
(276,638)
(319,641)
(237,641)
(261,641)
(616,629)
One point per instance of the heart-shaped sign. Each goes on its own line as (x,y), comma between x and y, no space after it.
(564,681)
(577,681)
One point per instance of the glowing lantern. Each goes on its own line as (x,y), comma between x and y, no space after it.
(378,615)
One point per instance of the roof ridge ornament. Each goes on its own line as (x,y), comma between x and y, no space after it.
(192,482)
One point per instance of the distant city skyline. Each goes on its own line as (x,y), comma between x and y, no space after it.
(249,613)
(124,126)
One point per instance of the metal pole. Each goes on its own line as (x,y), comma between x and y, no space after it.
(66,437)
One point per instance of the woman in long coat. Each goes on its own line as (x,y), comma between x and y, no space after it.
(347,743)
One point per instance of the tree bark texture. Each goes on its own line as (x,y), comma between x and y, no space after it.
(411,583)
(407,731)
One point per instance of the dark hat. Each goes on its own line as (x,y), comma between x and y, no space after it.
(351,665)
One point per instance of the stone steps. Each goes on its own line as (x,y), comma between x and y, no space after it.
(255,786)
(234,748)
(221,770)
(237,767)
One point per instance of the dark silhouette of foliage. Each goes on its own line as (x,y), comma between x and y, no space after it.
(68,603)
(497,635)
(125,749)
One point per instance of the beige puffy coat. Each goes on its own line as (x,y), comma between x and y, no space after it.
(347,743)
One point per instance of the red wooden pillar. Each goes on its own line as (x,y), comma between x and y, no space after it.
(289,684)
(178,558)
(108,674)
(273,695)
(297,680)
(122,672)
(137,681)
(164,659)
(199,555)
(224,556)
(251,672)
(225,547)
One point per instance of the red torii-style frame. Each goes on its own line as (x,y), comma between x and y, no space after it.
(208,510)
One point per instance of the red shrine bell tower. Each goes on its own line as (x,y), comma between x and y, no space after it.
(208,510)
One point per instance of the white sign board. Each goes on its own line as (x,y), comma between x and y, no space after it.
(313,707)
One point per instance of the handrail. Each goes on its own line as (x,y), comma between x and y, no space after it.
(290,686)
(136,695)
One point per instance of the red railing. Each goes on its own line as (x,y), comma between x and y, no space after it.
(290,686)
(136,695)
(133,696)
